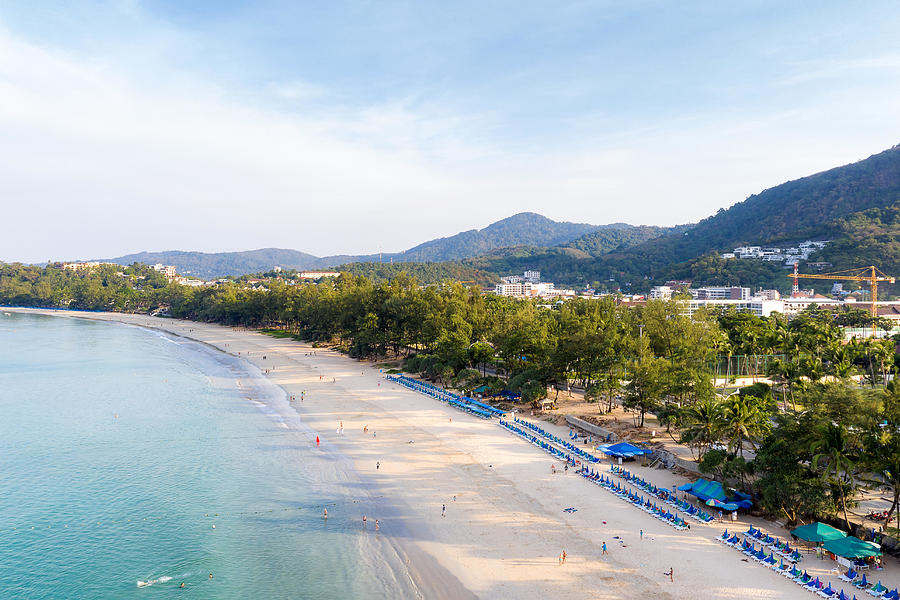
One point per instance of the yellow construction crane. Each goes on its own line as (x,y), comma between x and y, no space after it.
(869,274)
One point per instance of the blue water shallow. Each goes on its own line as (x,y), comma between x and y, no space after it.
(121,448)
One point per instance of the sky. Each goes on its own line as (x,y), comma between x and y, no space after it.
(353,127)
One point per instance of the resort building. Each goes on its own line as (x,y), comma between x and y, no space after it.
(661,292)
(78,266)
(721,293)
(318,274)
(757,306)
(167,270)
(532,276)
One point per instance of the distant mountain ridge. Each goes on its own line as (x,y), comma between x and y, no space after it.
(523,229)
(855,206)
(819,206)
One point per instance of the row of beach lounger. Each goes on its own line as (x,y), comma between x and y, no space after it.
(781,549)
(479,409)
(546,447)
(665,495)
(788,569)
(556,440)
(645,504)
(861,582)
(605,482)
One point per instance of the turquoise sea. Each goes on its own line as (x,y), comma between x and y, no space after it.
(129,455)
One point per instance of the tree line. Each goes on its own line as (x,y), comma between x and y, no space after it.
(827,421)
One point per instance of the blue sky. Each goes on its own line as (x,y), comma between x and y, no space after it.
(358,126)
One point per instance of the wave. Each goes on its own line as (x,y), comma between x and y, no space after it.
(149,582)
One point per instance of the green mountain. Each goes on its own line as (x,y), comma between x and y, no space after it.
(220,264)
(856,207)
(523,229)
(517,230)
(611,239)
(806,208)
(569,262)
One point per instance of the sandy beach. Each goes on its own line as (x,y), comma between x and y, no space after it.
(505,526)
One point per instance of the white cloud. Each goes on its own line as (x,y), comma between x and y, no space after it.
(106,155)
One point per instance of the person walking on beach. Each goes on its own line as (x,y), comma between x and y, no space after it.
(377,465)
(317,441)
(671,574)
(443,510)
(603,548)
(376,524)
(564,557)
(364,520)
(566,468)
(642,534)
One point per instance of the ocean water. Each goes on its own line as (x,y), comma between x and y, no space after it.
(128,455)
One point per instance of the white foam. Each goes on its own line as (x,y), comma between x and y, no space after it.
(150,582)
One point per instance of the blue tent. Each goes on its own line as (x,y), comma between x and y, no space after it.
(624,450)
(705,490)
(713,490)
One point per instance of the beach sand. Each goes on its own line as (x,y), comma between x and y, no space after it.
(503,534)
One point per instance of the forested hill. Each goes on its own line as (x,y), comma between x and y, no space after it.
(856,206)
(523,229)
(220,264)
(611,238)
(807,208)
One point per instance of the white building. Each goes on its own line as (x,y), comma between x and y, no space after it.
(530,290)
(318,274)
(78,266)
(661,292)
(511,279)
(532,276)
(760,307)
(721,293)
(190,282)
(167,270)
(516,290)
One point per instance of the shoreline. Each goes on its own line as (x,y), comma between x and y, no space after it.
(504,532)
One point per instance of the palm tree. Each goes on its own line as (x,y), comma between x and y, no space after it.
(834,454)
(841,360)
(744,421)
(701,424)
